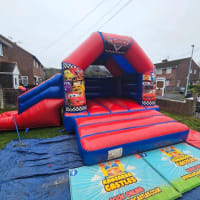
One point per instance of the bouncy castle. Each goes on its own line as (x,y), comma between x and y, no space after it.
(112,116)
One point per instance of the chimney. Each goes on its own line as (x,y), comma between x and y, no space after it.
(165,61)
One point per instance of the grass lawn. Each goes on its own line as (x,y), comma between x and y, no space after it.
(6,137)
(189,121)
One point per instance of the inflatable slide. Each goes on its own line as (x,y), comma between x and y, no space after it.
(38,107)
(112,116)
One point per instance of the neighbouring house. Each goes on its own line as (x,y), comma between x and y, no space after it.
(18,66)
(9,75)
(175,72)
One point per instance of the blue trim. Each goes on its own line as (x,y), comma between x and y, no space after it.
(131,43)
(148,116)
(101,35)
(124,64)
(133,127)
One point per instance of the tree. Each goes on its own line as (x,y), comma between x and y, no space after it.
(196,89)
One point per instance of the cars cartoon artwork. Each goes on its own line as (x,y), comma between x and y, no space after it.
(75,99)
(74,88)
(68,75)
(149,92)
(67,86)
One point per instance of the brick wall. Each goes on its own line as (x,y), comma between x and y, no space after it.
(182,72)
(10,96)
(186,107)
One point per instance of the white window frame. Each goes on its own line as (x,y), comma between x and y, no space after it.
(1,49)
(24,77)
(158,71)
(178,83)
(195,71)
(169,70)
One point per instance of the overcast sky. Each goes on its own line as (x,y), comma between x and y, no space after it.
(51,29)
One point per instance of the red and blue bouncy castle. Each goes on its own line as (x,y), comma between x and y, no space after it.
(113,116)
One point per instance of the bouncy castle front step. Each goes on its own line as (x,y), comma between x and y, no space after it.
(101,138)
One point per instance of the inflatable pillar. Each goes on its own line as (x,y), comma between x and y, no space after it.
(74,87)
(149,88)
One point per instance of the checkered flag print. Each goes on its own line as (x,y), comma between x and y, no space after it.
(76,109)
(148,103)
(68,65)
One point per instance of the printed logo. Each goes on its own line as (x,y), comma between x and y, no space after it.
(117,45)
(177,156)
(115,176)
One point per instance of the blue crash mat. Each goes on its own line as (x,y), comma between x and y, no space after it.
(40,170)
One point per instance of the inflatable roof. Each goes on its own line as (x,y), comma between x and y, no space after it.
(119,54)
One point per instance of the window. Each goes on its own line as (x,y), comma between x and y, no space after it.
(40,80)
(195,71)
(191,71)
(158,71)
(1,49)
(24,80)
(169,71)
(167,82)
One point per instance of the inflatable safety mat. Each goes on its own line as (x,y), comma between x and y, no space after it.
(107,137)
(179,164)
(128,178)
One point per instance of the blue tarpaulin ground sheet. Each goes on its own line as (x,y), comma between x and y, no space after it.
(40,170)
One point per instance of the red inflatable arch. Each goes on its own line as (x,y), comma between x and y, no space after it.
(99,43)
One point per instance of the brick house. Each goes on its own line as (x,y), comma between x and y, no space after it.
(31,71)
(175,72)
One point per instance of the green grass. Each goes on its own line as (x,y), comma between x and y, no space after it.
(7,109)
(6,137)
(189,121)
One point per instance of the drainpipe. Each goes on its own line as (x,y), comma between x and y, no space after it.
(188,76)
